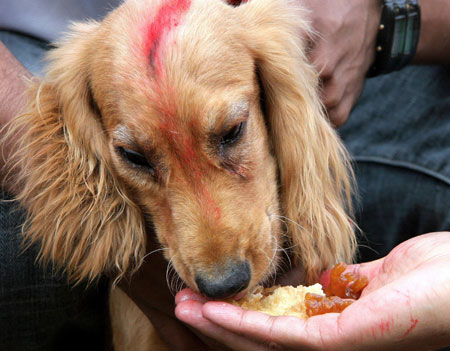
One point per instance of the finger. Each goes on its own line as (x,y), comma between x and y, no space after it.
(285,331)
(188,294)
(324,59)
(190,312)
(339,100)
(332,93)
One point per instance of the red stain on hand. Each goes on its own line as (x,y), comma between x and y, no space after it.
(167,18)
(384,326)
(412,326)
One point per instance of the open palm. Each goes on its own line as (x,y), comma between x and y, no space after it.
(406,306)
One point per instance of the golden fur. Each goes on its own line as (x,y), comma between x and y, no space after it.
(286,182)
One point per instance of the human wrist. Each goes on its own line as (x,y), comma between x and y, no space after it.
(398,36)
(372,24)
(434,42)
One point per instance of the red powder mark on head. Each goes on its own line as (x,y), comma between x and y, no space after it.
(167,18)
(164,99)
(187,158)
(412,326)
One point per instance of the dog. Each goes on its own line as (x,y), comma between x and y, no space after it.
(200,119)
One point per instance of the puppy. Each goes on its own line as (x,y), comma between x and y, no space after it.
(195,118)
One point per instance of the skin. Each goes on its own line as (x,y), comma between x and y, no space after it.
(404,307)
(344,48)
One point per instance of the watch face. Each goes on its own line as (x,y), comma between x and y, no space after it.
(400,24)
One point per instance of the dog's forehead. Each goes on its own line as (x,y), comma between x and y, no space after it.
(180,64)
(159,33)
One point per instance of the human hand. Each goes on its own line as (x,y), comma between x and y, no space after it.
(343,50)
(406,306)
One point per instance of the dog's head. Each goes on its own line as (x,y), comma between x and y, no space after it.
(200,118)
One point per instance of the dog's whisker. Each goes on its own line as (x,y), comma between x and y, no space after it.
(180,284)
(271,260)
(173,279)
(283,219)
(174,282)
(169,280)
(154,251)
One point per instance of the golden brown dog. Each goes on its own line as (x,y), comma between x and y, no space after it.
(200,117)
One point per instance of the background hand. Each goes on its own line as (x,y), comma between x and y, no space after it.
(406,306)
(343,50)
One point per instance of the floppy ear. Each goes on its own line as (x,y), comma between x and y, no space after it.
(78,212)
(315,175)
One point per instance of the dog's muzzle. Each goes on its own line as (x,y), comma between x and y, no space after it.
(224,281)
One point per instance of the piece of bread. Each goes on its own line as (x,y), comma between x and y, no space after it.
(306,301)
(279,300)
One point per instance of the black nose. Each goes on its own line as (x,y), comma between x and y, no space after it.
(226,281)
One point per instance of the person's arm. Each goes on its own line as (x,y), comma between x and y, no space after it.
(434,41)
(13,78)
(344,48)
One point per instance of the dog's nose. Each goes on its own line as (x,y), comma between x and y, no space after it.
(225,282)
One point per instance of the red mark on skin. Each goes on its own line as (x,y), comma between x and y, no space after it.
(384,326)
(412,326)
(167,18)
(374,333)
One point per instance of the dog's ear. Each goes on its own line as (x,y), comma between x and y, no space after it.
(78,213)
(315,176)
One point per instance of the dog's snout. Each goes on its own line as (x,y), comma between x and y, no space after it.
(226,282)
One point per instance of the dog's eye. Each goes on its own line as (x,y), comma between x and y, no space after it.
(135,158)
(232,135)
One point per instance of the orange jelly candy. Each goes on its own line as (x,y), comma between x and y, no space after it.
(345,285)
(342,291)
(318,304)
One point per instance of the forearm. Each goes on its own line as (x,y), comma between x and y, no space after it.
(12,98)
(434,41)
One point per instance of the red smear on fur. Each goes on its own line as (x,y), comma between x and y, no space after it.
(189,160)
(412,326)
(167,19)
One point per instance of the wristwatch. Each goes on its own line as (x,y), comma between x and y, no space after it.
(398,36)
